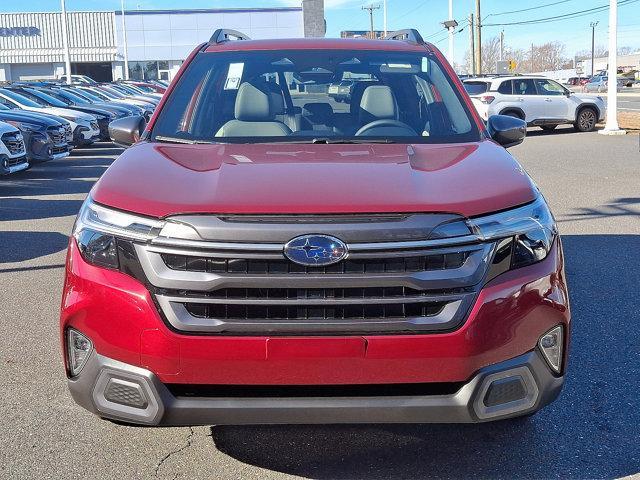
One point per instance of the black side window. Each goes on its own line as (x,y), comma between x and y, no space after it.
(524,86)
(506,88)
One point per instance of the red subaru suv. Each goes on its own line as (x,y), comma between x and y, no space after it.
(266,254)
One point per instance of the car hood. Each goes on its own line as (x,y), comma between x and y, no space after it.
(73,114)
(159,179)
(588,98)
(6,128)
(23,116)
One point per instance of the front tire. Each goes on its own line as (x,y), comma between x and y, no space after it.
(586,120)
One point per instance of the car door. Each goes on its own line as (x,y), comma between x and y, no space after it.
(556,106)
(527,98)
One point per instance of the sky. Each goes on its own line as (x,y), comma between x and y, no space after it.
(425,15)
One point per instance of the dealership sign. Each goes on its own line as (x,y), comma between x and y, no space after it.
(19,31)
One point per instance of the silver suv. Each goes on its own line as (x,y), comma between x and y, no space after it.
(537,100)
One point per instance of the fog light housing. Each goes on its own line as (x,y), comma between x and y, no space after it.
(551,347)
(79,348)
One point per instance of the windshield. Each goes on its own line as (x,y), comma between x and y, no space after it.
(21,99)
(476,88)
(88,95)
(72,98)
(57,96)
(287,96)
(46,100)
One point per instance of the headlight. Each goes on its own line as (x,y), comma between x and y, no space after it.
(26,127)
(531,227)
(97,229)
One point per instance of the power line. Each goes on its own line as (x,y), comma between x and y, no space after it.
(561,17)
(527,9)
(411,11)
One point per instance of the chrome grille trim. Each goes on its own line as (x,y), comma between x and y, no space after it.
(161,276)
(181,319)
(277,247)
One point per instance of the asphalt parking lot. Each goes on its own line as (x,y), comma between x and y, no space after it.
(592,431)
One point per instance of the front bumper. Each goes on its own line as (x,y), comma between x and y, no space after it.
(156,405)
(41,149)
(13,165)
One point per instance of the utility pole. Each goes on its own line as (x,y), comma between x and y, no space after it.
(472,49)
(124,43)
(611,126)
(532,64)
(65,42)
(478,39)
(371,8)
(384,17)
(501,45)
(593,43)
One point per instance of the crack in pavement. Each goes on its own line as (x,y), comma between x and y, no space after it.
(173,452)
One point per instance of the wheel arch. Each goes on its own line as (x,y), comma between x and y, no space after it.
(593,106)
(515,110)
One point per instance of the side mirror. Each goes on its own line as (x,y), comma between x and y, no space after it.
(506,130)
(127,131)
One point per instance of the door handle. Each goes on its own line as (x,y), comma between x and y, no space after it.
(547,100)
(520,99)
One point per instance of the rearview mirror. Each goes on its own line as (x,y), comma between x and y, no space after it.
(127,131)
(506,130)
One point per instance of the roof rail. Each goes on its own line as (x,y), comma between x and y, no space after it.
(222,35)
(408,35)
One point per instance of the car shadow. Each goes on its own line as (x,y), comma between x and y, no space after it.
(619,207)
(33,209)
(19,246)
(591,431)
(65,176)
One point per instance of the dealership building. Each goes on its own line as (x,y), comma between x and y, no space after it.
(156,41)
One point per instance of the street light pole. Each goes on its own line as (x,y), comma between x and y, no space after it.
(124,42)
(384,17)
(611,126)
(502,45)
(478,39)
(65,42)
(593,43)
(451,29)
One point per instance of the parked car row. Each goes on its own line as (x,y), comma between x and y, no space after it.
(44,120)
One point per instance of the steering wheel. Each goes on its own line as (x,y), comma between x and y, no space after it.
(386,123)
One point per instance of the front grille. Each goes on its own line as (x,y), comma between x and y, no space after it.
(298,391)
(14,143)
(57,136)
(415,263)
(12,162)
(248,287)
(357,310)
(68,131)
(58,150)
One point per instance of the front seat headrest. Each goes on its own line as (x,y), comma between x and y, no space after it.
(253,104)
(378,103)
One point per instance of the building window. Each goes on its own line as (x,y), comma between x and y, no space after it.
(151,70)
(163,70)
(135,71)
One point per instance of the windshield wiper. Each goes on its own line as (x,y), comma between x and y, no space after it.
(351,140)
(187,141)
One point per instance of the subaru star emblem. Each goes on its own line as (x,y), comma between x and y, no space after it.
(315,250)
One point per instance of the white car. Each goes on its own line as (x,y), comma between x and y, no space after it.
(539,101)
(13,154)
(83,125)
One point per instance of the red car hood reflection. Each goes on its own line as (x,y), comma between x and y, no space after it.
(164,179)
